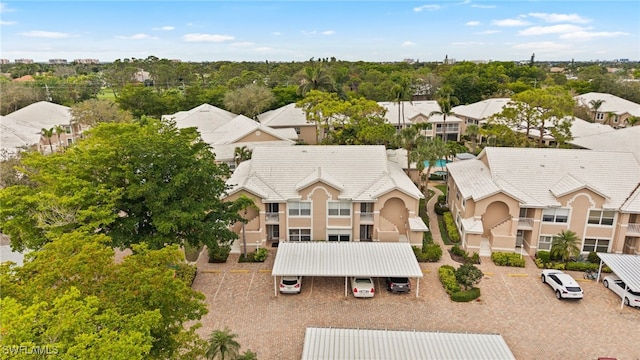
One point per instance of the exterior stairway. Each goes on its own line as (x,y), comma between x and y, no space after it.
(485,248)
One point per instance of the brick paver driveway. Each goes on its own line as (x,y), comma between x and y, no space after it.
(514,303)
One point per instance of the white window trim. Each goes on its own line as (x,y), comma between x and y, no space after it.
(295,205)
(599,223)
(342,206)
(595,247)
(299,230)
(555,215)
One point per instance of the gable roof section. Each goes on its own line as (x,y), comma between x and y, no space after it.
(322,176)
(237,128)
(361,171)
(206,118)
(623,140)
(285,116)
(409,110)
(356,344)
(42,114)
(632,204)
(481,110)
(539,172)
(612,103)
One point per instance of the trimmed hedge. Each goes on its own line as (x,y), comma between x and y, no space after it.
(260,255)
(452,231)
(429,253)
(466,296)
(219,254)
(447,275)
(507,259)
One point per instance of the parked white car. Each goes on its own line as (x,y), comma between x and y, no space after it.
(362,287)
(562,284)
(613,283)
(290,284)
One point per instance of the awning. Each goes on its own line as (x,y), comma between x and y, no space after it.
(625,266)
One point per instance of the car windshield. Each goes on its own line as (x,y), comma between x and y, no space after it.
(362,280)
(289,281)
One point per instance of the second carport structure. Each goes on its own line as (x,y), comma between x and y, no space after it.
(346,259)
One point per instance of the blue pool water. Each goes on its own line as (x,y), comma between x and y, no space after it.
(439,163)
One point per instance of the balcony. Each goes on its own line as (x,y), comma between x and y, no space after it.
(366,217)
(525,224)
(633,230)
(272,217)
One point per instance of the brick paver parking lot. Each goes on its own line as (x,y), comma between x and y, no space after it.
(514,303)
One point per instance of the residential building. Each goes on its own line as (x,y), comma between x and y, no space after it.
(58,61)
(519,199)
(479,112)
(25,126)
(23,61)
(291,117)
(333,193)
(621,140)
(408,113)
(612,110)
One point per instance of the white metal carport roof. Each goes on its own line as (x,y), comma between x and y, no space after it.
(344,259)
(353,344)
(625,266)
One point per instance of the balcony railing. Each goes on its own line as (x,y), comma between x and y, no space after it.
(633,229)
(366,217)
(525,224)
(272,217)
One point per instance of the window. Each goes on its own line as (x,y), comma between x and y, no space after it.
(366,232)
(555,215)
(273,232)
(297,129)
(339,208)
(600,116)
(272,207)
(67,129)
(299,208)
(69,141)
(600,217)
(339,235)
(597,245)
(299,234)
(545,242)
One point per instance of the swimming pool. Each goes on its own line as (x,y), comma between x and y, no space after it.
(439,163)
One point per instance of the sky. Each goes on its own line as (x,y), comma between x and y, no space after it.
(502,30)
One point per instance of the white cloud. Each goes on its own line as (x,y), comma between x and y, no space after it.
(407,43)
(313,32)
(554,29)
(4,8)
(277,33)
(586,35)
(328,32)
(426,7)
(554,18)
(473,23)
(510,22)
(46,34)
(488,32)
(541,46)
(483,6)
(2,22)
(467,43)
(165,28)
(197,37)
(139,36)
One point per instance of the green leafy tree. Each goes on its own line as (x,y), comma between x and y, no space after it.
(565,245)
(472,132)
(249,100)
(222,345)
(137,182)
(315,77)
(95,111)
(468,275)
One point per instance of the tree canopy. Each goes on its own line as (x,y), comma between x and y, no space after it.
(145,181)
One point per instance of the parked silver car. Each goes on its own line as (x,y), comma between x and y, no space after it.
(362,287)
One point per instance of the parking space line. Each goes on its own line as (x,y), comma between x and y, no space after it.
(518,275)
(219,285)
(250,283)
(239,271)
(210,271)
(508,289)
(311,290)
(264,271)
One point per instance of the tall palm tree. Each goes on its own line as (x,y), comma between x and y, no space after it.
(315,78)
(595,105)
(446,100)
(407,139)
(241,154)
(472,131)
(48,134)
(633,120)
(59,130)
(565,245)
(401,91)
(222,344)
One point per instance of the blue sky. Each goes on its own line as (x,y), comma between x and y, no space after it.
(300,30)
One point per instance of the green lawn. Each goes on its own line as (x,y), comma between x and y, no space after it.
(443,188)
(106,94)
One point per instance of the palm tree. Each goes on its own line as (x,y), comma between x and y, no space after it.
(472,131)
(446,101)
(565,245)
(407,139)
(633,120)
(241,154)
(48,134)
(222,344)
(401,91)
(59,130)
(315,78)
(595,105)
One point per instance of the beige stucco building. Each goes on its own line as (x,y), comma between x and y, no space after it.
(325,193)
(518,199)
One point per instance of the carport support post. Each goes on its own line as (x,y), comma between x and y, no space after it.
(345,286)
(275,286)
(417,287)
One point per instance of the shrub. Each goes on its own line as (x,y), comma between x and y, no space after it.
(581,266)
(558,266)
(468,275)
(452,231)
(219,254)
(466,296)
(543,255)
(440,209)
(593,258)
(539,263)
(507,259)
(433,252)
(475,258)
(442,199)
(447,275)
(186,272)
(260,255)
(457,250)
